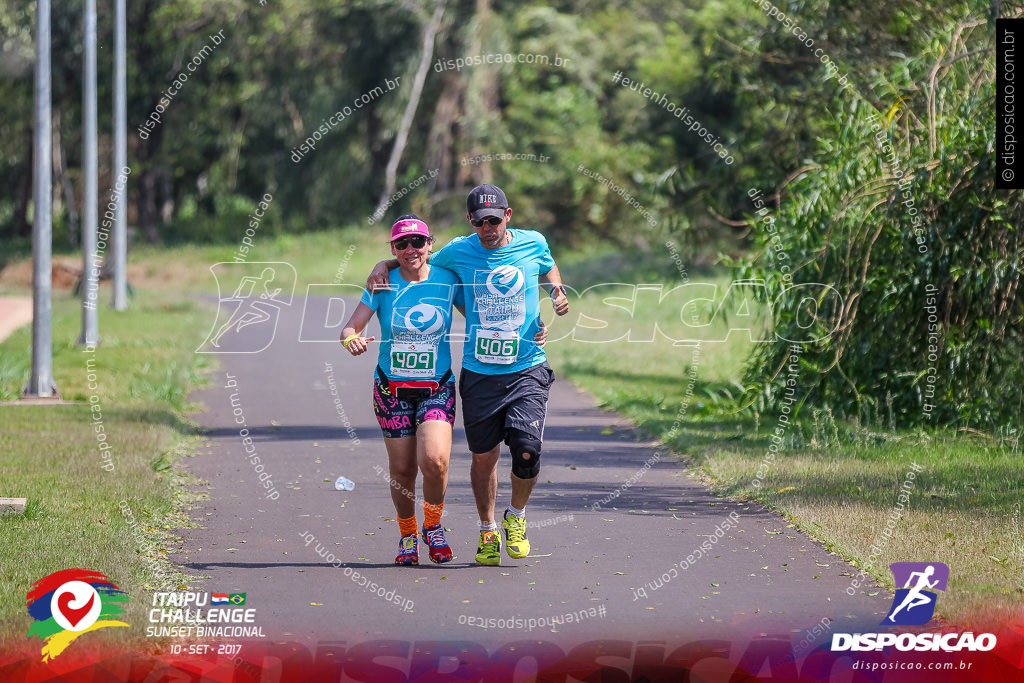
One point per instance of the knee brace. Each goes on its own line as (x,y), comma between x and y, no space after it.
(521,443)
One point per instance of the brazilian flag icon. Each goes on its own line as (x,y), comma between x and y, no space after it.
(237,598)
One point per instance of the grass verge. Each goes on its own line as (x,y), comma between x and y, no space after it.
(114,519)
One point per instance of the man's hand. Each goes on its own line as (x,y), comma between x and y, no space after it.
(541,338)
(560,301)
(378,280)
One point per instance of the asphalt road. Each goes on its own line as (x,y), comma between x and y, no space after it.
(307,408)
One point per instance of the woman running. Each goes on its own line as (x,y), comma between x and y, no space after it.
(413,391)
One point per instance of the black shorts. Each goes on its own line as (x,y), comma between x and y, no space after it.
(491,404)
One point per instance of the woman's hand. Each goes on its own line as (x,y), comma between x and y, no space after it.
(357,345)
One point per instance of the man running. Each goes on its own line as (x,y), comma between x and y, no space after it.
(505,378)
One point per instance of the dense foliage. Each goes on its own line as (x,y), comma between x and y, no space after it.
(901,216)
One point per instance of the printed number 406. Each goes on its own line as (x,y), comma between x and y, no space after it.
(498,347)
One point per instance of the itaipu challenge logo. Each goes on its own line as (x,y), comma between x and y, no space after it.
(72,602)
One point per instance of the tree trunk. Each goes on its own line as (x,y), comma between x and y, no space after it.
(426,54)
(22,228)
(481,99)
(149,175)
(64,181)
(147,212)
(441,139)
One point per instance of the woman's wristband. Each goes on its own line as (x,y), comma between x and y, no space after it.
(349,338)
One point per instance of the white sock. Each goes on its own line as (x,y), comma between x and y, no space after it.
(517,512)
(488,526)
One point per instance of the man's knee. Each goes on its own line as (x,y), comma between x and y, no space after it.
(525,454)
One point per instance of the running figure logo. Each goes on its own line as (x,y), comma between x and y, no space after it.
(914,604)
(255,300)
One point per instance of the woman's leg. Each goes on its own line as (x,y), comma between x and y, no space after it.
(402,468)
(433,451)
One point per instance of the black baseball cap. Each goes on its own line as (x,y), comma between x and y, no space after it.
(486,200)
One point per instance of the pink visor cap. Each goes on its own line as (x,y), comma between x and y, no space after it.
(409,227)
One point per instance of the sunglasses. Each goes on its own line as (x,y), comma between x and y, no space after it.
(417,242)
(490,220)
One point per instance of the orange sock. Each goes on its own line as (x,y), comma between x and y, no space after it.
(432,513)
(407,525)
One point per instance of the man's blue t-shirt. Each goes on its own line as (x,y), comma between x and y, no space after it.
(415,318)
(502,307)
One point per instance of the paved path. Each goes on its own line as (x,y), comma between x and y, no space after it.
(759,578)
(15,311)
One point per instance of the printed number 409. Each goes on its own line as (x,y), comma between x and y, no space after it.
(412,361)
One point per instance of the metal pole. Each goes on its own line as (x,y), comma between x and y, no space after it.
(41,383)
(119,300)
(90,283)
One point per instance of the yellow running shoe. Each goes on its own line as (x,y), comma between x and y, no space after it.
(489,548)
(516,543)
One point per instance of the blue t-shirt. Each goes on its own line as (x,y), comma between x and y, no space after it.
(502,311)
(415,318)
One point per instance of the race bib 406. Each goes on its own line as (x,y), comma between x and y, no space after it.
(500,347)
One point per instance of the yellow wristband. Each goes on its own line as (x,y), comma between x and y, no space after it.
(349,338)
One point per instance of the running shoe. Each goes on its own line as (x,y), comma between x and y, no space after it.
(489,549)
(516,543)
(440,551)
(408,551)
